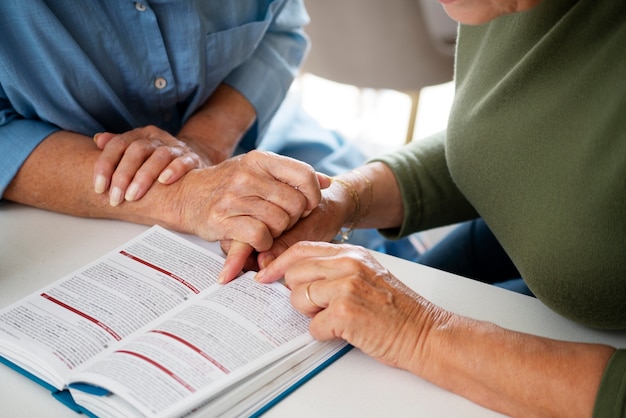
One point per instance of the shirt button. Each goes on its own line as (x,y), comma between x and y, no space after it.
(160,83)
(140,6)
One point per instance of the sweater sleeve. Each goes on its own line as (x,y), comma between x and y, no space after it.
(611,398)
(429,195)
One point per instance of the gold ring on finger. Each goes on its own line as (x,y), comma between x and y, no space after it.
(308,296)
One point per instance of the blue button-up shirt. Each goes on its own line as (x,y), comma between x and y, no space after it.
(114,65)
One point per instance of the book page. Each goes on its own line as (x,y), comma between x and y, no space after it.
(224,336)
(258,393)
(54,331)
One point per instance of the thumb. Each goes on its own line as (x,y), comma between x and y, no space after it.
(102,138)
(324,180)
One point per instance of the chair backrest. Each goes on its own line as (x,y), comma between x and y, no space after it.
(393,44)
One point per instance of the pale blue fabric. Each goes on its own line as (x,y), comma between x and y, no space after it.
(91,66)
(294,133)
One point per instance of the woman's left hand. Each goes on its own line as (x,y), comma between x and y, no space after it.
(132,161)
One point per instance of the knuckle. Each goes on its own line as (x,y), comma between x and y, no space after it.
(242,180)
(143,177)
(138,146)
(281,223)
(351,284)
(165,153)
(261,239)
(308,170)
(343,310)
(254,154)
(103,165)
(300,247)
(149,130)
(121,178)
(354,263)
(188,159)
(121,141)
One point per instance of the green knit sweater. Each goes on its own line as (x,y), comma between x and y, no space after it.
(536,146)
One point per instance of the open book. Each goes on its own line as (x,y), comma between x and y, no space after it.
(147,331)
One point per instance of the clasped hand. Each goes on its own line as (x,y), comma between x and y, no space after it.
(132,161)
(248,199)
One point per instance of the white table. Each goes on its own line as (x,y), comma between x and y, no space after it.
(38,247)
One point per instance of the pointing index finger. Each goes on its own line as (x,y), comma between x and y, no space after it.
(235,260)
(277,268)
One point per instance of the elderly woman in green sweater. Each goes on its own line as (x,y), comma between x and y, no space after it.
(536,147)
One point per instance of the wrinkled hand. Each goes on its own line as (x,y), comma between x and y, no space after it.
(323,224)
(131,162)
(351,296)
(251,198)
(240,255)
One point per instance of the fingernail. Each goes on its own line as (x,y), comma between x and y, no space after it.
(100,184)
(115,198)
(266,260)
(259,276)
(95,137)
(132,192)
(327,180)
(165,175)
(221,278)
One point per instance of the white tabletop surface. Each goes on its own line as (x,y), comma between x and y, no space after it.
(38,247)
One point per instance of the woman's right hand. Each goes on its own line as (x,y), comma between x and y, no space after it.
(351,296)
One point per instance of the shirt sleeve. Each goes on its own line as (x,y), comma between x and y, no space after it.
(18,138)
(611,398)
(429,195)
(265,77)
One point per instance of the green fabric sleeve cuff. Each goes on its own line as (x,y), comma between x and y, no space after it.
(429,195)
(611,398)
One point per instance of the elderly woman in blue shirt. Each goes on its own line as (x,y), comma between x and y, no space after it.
(165,87)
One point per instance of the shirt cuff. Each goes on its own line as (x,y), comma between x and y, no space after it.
(264,87)
(18,139)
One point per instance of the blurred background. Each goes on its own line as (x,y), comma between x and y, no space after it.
(379,73)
